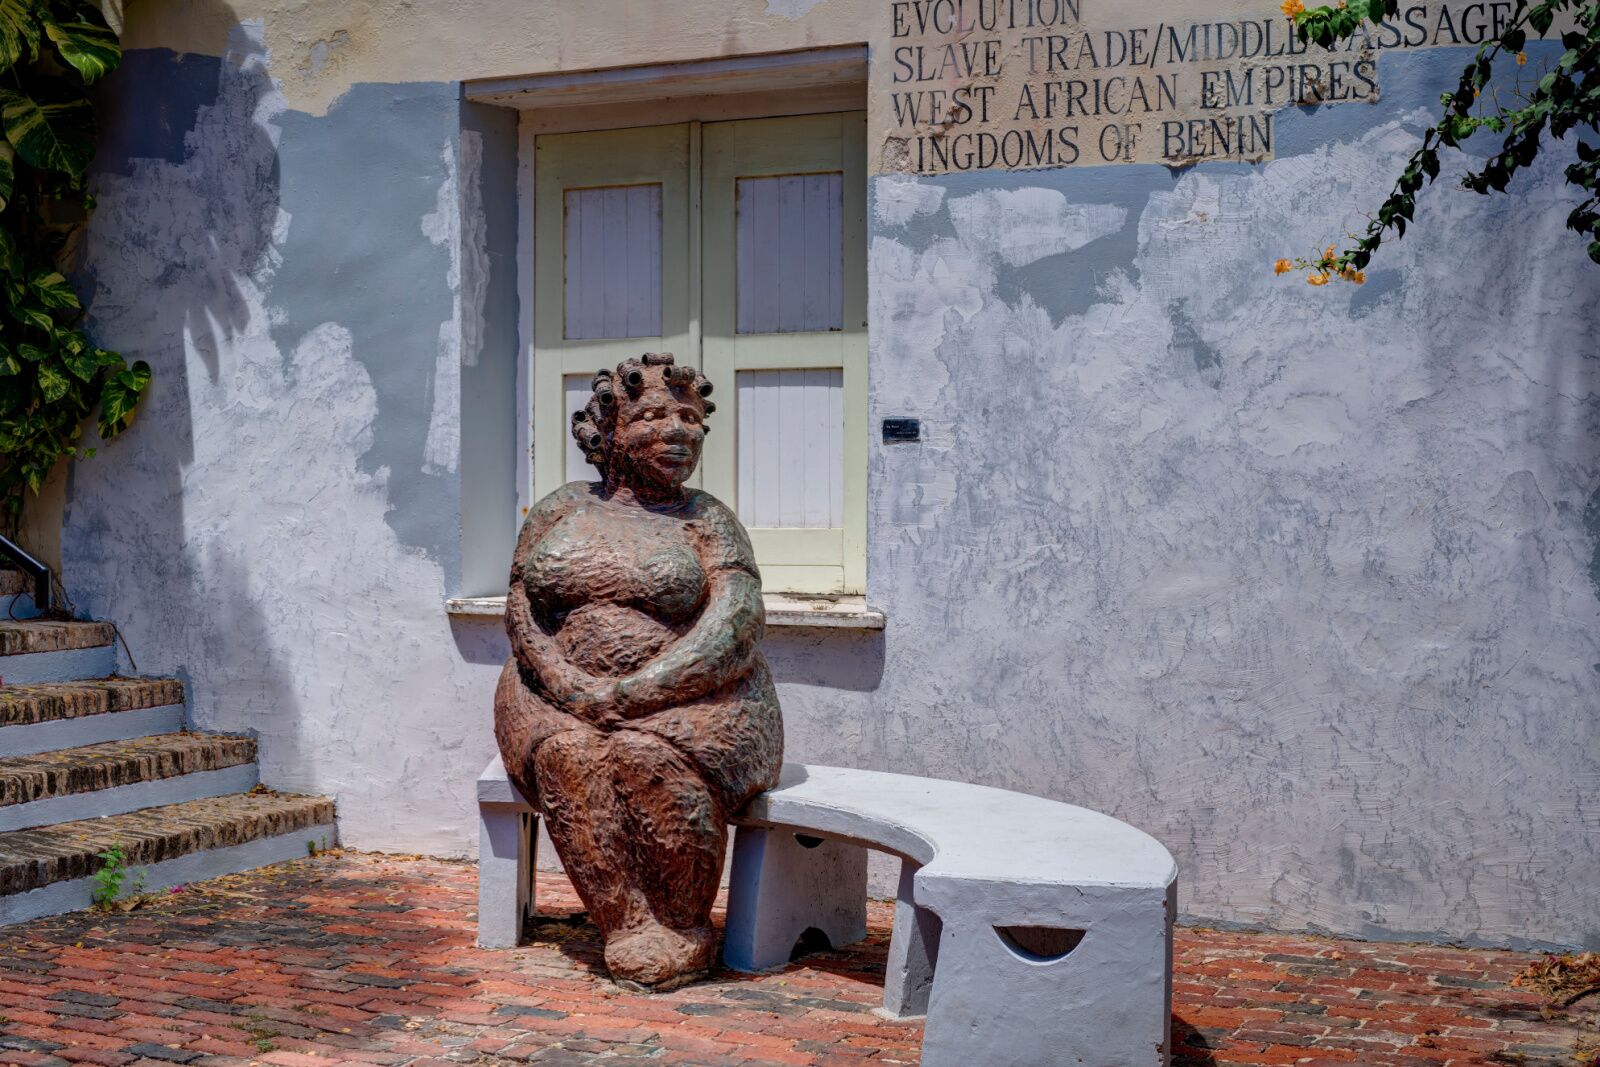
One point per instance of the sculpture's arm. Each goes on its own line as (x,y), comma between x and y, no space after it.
(538,654)
(534,649)
(725,638)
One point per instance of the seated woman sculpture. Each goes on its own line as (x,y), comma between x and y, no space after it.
(636,711)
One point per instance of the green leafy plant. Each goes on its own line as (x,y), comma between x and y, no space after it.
(1565,98)
(259,1032)
(109,878)
(51,374)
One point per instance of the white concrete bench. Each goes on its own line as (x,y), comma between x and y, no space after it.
(1031,933)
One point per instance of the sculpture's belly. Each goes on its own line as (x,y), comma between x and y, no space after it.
(612,639)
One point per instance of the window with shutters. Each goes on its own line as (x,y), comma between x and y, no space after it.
(740,247)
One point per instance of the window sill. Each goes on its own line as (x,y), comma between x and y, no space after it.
(783,610)
(834,612)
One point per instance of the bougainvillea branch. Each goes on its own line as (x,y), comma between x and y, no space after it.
(1566,98)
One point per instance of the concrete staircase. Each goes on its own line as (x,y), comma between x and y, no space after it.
(89,761)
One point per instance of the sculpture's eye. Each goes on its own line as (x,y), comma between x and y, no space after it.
(649,416)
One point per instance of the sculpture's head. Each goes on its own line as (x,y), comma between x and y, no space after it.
(645,423)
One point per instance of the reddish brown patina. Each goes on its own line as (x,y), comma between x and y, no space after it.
(637,711)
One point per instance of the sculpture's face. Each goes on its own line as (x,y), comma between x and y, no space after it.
(660,432)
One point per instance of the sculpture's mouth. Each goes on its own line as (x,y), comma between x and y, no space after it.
(675,454)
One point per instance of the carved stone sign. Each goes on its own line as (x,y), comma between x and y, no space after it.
(636,711)
(960,85)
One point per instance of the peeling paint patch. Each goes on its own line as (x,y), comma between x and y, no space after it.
(441,450)
(323,51)
(792,9)
(1025,225)
(358,181)
(472,250)
(1186,341)
(896,201)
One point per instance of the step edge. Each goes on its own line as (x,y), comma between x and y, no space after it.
(56,898)
(87,850)
(130,797)
(252,757)
(59,691)
(54,735)
(94,664)
(110,632)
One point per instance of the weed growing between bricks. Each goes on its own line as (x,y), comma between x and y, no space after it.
(369,959)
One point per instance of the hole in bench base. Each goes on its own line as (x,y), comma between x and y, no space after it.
(807,841)
(812,940)
(1039,944)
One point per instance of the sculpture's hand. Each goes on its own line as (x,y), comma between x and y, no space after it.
(595,703)
(626,698)
(715,651)
(568,687)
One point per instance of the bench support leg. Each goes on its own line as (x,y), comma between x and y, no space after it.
(913,950)
(506,842)
(784,884)
(1105,1002)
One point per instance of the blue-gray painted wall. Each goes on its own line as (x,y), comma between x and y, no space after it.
(1304,582)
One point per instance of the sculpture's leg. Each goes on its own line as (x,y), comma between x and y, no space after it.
(785,883)
(678,832)
(676,825)
(913,950)
(581,812)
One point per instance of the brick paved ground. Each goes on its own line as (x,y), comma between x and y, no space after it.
(369,960)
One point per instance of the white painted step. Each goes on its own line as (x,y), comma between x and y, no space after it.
(60,715)
(117,777)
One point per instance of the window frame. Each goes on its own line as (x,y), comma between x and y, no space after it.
(753,148)
(541,384)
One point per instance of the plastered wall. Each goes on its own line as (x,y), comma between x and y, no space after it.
(1304,582)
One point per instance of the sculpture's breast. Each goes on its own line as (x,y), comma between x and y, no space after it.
(615,586)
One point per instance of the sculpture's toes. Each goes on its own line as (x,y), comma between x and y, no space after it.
(659,956)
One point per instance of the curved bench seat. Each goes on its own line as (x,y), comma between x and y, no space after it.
(1032,933)
(959,831)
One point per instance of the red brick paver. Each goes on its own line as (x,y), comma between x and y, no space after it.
(369,960)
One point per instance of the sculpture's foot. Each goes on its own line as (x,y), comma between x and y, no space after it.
(659,956)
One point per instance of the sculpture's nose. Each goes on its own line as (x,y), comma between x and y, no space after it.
(677,430)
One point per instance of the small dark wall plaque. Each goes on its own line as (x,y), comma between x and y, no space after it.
(898,430)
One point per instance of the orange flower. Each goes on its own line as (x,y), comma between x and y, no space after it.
(1291,8)
(1283,266)
(1317,279)
(1329,253)
(1522,59)
(1359,277)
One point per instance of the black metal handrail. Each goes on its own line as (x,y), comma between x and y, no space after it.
(43,580)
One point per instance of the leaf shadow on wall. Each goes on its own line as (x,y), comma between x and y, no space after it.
(199,114)
(187,178)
